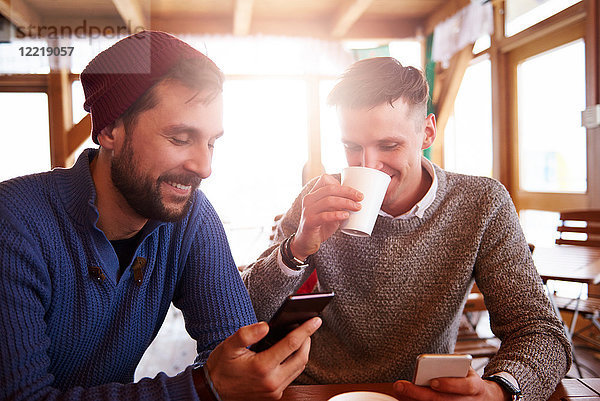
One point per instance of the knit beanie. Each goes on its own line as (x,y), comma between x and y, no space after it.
(119,75)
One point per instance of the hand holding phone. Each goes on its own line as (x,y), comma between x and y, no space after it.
(295,310)
(432,366)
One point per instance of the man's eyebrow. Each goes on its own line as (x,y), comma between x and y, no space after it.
(381,140)
(183,128)
(390,139)
(179,128)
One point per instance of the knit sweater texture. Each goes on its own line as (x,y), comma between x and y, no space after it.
(400,292)
(69,330)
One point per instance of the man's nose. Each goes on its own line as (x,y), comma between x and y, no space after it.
(200,161)
(370,159)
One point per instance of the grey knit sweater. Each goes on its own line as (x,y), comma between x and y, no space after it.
(400,292)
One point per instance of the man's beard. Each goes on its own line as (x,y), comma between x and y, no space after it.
(142,193)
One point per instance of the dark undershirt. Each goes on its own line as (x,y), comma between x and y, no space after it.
(125,248)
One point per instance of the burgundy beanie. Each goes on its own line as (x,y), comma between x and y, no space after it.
(119,75)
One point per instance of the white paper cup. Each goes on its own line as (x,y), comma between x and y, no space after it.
(373,185)
(362,396)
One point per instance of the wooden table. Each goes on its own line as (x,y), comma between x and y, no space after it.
(573,263)
(567,390)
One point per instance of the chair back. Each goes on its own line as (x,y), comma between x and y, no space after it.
(579,222)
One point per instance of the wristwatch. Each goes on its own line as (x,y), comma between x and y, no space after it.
(288,258)
(508,383)
(203,384)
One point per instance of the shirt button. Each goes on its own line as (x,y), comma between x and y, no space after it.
(96,273)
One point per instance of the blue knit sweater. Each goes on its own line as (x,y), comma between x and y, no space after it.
(69,330)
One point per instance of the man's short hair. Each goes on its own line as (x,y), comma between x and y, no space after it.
(374,81)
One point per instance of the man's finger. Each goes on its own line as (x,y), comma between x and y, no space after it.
(470,385)
(334,190)
(293,341)
(295,364)
(408,391)
(325,179)
(247,335)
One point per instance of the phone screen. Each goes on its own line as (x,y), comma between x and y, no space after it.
(295,310)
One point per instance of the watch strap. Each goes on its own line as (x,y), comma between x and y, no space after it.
(507,384)
(288,258)
(203,384)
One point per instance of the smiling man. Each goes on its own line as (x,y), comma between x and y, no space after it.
(91,257)
(400,292)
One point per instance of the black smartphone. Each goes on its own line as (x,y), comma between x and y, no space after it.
(295,310)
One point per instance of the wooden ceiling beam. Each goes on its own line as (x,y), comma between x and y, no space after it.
(132,14)
(19,14)
(60,114)
(389,29)
(444,106)
(193,24)
(78,134)
(348,15)
(455,73)
(319,28)
(242,17)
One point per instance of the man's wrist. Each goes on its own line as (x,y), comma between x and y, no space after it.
(496,391)
(203,384)
(507,383)
(293,251)
(288,258)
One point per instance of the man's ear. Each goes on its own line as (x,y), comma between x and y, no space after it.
(106,137)
(430,131)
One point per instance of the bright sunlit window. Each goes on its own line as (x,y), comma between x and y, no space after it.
(13,61)
(78,113)
(521,14)
(332,151)
(24,143)
(408,52)
(257,164)
(468,145)
(552,142)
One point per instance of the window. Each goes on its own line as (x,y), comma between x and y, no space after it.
(468,134)
(552,143)
(24,143)
(257,165)
(521,14)
(14,60)
(332,150)
(78,98)
(408,52)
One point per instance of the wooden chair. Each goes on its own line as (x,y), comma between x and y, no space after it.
(581,228)
(468,340)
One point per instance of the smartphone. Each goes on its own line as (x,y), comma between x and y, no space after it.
(295,310)
(431,366)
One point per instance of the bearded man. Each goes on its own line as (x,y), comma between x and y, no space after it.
(92,256)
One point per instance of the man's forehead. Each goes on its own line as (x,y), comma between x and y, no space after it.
(183,94)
